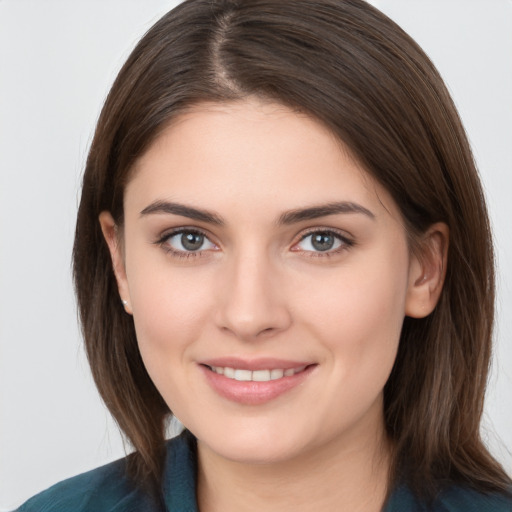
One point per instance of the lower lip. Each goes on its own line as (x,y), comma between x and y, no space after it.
(250,392)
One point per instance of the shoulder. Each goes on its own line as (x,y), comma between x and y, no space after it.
(453,499)
(461,499)
(101,489)
(107,488)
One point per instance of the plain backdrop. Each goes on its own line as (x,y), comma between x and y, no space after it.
(57,61)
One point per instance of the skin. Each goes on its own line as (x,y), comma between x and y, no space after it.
(258,288)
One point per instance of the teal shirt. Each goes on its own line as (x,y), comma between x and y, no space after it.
(106,489)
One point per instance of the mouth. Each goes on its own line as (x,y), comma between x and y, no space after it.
(255,383)
(267,375)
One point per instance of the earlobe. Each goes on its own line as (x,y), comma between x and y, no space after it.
(427,272)
(112,237)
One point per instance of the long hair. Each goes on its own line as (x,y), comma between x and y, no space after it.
(352,68)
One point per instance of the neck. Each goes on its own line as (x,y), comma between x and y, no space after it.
(350,474)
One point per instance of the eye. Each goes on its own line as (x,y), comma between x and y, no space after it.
(322,242)
(187,241)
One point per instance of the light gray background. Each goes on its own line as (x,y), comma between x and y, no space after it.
(57,61)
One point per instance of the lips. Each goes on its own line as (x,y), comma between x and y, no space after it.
(254,382)
(256,375)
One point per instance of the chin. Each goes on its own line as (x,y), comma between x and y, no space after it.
(256,454)
(256,445)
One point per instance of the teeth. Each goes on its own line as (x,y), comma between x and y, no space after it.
(261,375)
(256,375)
(243,375)
(228,372)
(276,374)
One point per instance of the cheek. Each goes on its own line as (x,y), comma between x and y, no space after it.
(169,317)
(358,323)
(360,318)
(169,306)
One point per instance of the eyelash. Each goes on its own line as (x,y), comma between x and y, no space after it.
(162,242)
(346,243)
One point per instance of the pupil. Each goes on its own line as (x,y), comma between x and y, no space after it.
(322,241)
(192,241)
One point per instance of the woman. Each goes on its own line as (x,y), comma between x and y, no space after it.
(282,239)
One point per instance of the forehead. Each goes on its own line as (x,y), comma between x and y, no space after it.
(251,153)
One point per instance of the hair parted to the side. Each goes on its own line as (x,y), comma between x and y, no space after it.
(355,70)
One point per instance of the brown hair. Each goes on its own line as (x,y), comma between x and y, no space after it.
(351,67)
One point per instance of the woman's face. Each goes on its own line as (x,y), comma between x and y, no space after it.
(268,276)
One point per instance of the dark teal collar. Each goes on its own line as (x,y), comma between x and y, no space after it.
(180,474)
(180,479)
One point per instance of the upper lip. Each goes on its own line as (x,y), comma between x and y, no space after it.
(264,363)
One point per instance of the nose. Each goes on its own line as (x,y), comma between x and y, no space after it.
(253,303)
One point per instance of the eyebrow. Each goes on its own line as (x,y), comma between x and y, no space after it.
(183,211)
(314,212)
(287,218)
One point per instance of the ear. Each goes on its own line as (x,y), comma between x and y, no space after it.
(427,271)
(112,237)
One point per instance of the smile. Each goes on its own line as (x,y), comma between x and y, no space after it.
(256,382)
(256,375)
